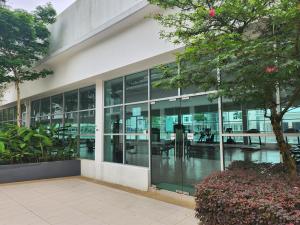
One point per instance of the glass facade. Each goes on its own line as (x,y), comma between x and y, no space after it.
(9,115)
(181,134)
(72,111)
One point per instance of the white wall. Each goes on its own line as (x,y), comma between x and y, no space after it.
(122,52)
(83,17)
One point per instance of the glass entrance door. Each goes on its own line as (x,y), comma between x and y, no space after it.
(184,142)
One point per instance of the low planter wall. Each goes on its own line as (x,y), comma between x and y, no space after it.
(35,171)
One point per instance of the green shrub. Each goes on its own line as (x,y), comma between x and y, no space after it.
(249,193)
(27,145)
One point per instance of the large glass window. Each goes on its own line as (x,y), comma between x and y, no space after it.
(11,114)
(71,101)
(113,123)
(136,87)
(137,150)
(113,91)
(77,118)
(45,107)
(137,118)
(35,108)
(5,115)
(57,104)
(87,98)
(113,148)
(87,134)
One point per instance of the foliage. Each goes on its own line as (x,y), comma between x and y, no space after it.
(249,193)
(247,51)
(24,40)
(25,145)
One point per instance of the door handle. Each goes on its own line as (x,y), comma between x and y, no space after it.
(175,141)
(183,143)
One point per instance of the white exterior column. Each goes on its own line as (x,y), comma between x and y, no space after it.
(99,121)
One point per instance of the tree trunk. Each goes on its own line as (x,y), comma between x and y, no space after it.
(19,116)
(283,146)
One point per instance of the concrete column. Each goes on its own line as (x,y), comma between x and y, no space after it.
(99,153)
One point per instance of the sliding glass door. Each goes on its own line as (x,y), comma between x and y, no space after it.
(184,142)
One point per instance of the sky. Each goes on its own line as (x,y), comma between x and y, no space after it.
(30,5)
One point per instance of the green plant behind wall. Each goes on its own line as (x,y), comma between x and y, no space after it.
(26,145)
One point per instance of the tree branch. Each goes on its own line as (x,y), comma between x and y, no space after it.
(290,103)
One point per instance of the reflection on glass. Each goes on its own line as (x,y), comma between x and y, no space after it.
(45,107)
(137,118)
(190,90)
(71,125)
(71,101)
(5,114)
(184,142)
(35,122)
(137,150)
(87,134)
(157,92)
(113,92)
(136,87)
(56,120)
(44,121)
(87,98)
(11,114)
(57,104)
(113,148)
(113,120)
(23,114)
(259,149)
(35,108)
(15,113)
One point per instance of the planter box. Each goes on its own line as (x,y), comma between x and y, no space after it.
(35,171)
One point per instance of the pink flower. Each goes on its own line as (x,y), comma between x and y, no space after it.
(271,69)
(212,12)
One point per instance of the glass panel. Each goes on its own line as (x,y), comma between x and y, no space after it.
(291,125)
(23,113)
(87,134)
(241,119)
(233,118)
(35,122)
(113,92)
(11,113)
(35,108)
(255,148)
(113,148)
(137,150)
(14,113)
(184,142)
(156,75)
(166,163)
(71,101)
(5,115)
(190,90)
(113,122)
(45,107)
(56,120)
(136,87)
(1,115)
(87,98)
(45,112)
(71,125)
(137,118)
(57,104)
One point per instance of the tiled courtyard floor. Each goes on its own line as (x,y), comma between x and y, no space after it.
(74,201)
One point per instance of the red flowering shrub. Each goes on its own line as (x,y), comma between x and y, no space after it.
(249,193)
